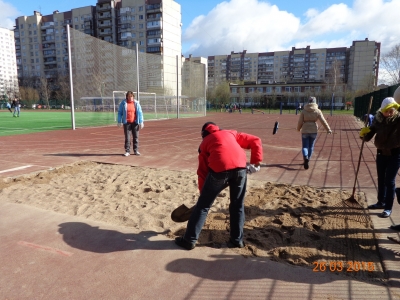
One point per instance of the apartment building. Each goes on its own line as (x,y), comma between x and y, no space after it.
(41,40)
(351,66)
(8,66)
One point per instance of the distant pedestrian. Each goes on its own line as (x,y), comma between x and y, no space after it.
(17,107)
(8,106)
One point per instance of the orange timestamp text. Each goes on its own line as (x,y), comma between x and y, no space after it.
(343,266)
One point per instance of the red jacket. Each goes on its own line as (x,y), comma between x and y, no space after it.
(221,150)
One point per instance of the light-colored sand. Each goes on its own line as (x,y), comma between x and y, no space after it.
(293,224)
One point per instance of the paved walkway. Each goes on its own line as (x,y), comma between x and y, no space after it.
(46,255)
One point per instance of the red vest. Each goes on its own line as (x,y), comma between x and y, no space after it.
(130,112)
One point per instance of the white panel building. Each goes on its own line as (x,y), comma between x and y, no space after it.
(8,65)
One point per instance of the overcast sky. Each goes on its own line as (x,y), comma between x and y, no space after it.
(212,27)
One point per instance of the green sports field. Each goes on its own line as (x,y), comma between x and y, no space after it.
(46,120)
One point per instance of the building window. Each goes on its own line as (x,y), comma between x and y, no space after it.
(234,90)
(140,26)
(140,17)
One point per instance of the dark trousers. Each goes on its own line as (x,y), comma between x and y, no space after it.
(387,167)
(215,182)
(131,129)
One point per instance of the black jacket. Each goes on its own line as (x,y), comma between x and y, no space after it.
(386,131)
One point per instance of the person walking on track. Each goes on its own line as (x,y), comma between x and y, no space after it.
(130,115)
(307,124)
(222,163)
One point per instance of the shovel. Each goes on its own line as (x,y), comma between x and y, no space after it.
(181,214)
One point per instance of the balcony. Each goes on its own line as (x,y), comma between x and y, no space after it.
(154,41)
(105,24)
(47,25)
(108,39)
(123,29)
(155,24)
(50,61)
(103,16)
(154,8)
(103,8)
(154,18)
(50,66)
(48,39)
(105,32)
(48,53)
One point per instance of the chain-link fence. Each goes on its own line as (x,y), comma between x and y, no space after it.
(168,86)
(361,103)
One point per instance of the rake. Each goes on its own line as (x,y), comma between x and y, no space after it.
(350,206)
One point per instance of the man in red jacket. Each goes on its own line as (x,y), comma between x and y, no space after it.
(222,163)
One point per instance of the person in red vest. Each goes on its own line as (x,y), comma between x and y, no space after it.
(222,163)
(130,115)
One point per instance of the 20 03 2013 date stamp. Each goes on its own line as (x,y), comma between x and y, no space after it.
(343,266)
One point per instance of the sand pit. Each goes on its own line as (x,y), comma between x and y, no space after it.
(300,225)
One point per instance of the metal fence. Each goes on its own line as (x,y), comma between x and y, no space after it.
(361,103)
(169,87)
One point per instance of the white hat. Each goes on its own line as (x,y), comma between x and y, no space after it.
(387,103)
(396,95)
(312,100)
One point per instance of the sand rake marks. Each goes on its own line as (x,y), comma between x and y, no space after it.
(351,210)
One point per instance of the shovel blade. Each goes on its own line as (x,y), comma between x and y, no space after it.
(181,214)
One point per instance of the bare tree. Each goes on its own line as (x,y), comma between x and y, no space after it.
(63,89)
(222,92)
(334,79)
(390,66)
(45,90)
(28,94)
(368,84)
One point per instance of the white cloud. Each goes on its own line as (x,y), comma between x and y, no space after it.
(260,27)
(240,24)
(8,14)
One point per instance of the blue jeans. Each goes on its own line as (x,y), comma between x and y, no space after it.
(215,182)
(308,142)
(131,128)
(387,168)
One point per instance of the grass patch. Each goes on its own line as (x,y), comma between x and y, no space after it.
(31,121)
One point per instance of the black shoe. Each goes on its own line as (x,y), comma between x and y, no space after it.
(395,227)
(397,191)
(306,160)
(233,244)
(184,244)
(377,206)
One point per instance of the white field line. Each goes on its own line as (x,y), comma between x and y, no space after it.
(16,169)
